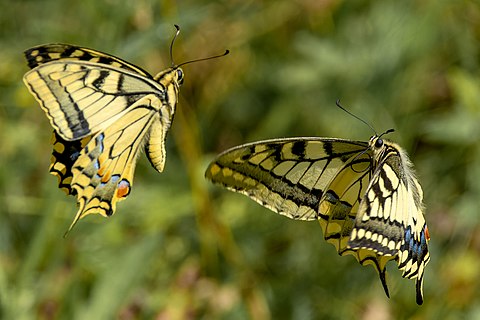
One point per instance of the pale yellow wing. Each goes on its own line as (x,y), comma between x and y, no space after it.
(339,209)
(64,155)
(390,220)
(82,98)
(288,176)
(103,172)
(42,54)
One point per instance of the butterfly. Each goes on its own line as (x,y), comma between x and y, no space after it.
(364,194)
(104,111)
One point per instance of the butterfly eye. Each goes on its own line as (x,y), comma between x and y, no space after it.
(180,76)
(378,143)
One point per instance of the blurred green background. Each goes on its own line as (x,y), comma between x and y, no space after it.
(180,248)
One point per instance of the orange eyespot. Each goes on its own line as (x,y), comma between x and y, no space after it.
(427,234)
(123,189)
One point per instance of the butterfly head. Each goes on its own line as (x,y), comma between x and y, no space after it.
(171,76)
(175,74)
(377,144)
(170,79)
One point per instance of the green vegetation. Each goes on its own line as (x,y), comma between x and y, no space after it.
(179,247)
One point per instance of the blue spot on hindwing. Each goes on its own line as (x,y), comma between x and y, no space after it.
(99,141)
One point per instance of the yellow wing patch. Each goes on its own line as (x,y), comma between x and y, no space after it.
(103,172)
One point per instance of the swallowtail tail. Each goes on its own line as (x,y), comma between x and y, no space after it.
(364,194)
(104,110)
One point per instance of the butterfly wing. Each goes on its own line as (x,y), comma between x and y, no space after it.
(64,155)
(59,51)
(390,220)
(103,172)
(288,176)
(339,207)
(81,98)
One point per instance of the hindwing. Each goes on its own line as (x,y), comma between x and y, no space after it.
(103,172)
(390,219)
(340,183)
(64,155)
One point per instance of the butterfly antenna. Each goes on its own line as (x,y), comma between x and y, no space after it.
(196,60)
(357,117)
(203,59)
(173,41)
(387,132)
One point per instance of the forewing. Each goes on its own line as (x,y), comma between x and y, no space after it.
(58,51)
(82,98)
(103,172)
(391,221)
(288,176)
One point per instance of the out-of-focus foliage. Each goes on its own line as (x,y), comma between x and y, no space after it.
(180,248)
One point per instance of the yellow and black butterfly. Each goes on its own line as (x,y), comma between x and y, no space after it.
(103,111)
(364,194)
